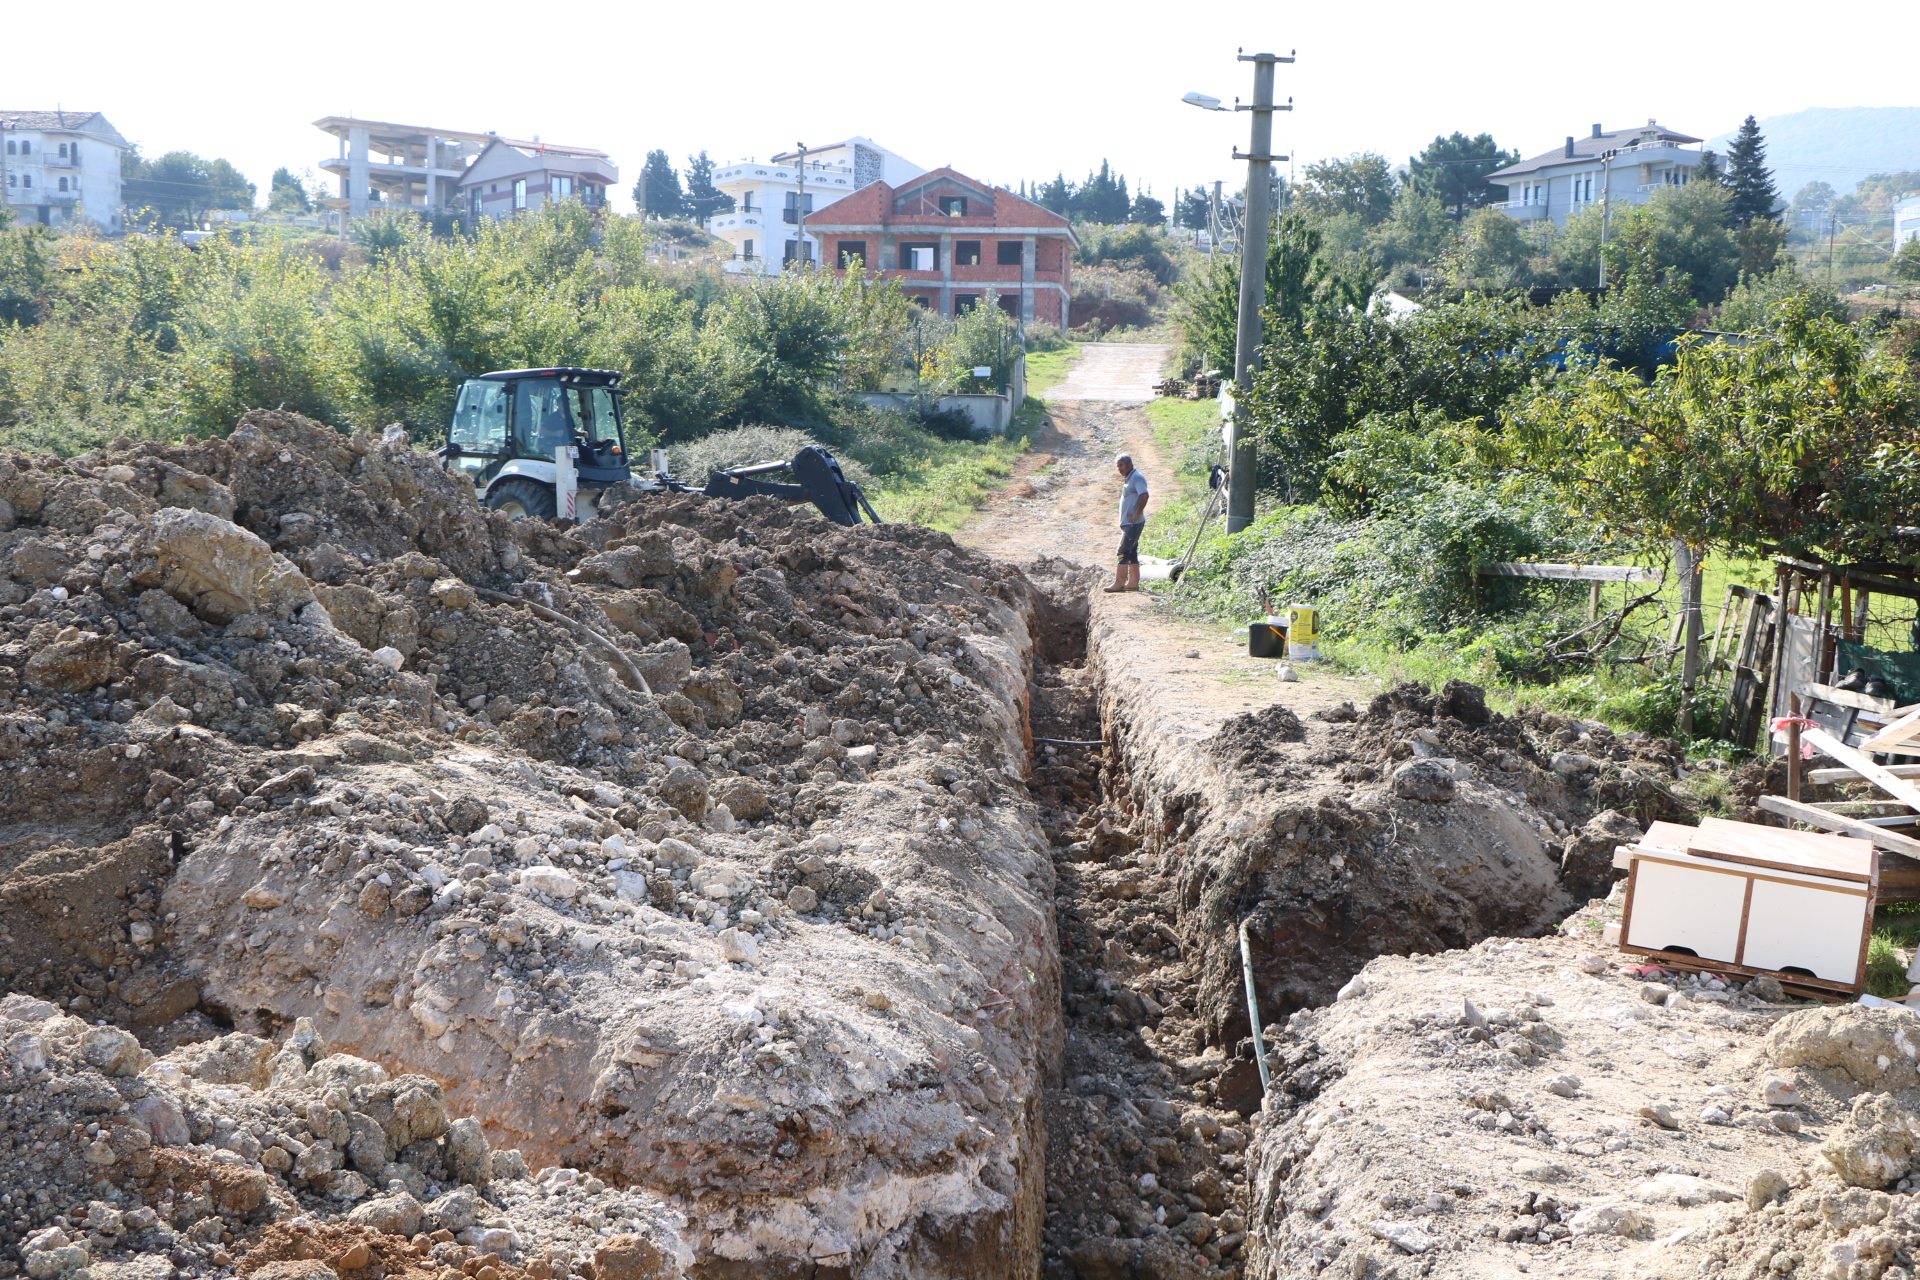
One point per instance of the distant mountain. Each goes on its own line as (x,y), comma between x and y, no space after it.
(1836,145)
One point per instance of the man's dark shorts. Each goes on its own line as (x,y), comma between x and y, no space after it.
(1130,542)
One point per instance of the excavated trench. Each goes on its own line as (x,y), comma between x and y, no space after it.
(808,956)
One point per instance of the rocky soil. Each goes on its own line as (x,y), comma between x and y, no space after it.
(689,847)
(710,891)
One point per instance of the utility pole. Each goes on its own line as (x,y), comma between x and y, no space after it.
(1242,459)
(1606,207)
(800,209)
(1213,222)
(1832,223)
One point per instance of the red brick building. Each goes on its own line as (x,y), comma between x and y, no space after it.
(952,242)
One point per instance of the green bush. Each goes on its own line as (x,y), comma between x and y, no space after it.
(1755,302)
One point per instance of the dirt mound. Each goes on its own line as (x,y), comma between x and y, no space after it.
(1249,739)
(689,845)
(1529,1106)
(239,1154)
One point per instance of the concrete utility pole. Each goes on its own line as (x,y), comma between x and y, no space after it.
(1242,459)
(800,208)
(1606,208)
(1213,222)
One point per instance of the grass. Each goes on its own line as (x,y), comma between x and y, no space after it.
(1187,432)
(1046,369)
(957,477)
(1896,929)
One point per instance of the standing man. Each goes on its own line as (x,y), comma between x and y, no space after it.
(1133,518)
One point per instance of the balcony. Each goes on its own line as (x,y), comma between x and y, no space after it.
(1522,212)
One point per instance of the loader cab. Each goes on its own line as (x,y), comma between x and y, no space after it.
(506,426)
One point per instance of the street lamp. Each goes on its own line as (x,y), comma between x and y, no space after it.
(1241,459)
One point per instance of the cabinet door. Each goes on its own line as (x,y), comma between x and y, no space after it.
(1687,907)
(1793,927)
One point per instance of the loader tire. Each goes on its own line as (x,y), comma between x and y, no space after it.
(518,499)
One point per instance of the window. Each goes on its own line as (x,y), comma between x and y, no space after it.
(851,249)
(746,250)
(26,146)
(476,199)
(1010,303)
(63,151)
(797,250)
(919,257)
(953,206)
(966,253)
(480,417)
(965,302)
(1010,255)
(519,193)
(13,147)
(561,188)
(746,203)
(26,179)
(791,214)
(63,184)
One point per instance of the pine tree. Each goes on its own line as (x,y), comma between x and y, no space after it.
(1709,169)
(1057,195)
(658,191)
(1748,177)
(703,199)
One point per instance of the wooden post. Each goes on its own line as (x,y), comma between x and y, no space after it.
(1846,609)
(1793,748)
(1593,602)
(1775,699)
(1690,617)
(1822,658)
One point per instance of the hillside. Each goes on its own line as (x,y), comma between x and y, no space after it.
(1837,145)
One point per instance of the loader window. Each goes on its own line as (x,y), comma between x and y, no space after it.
(542,418)
(480,417)
(601,418)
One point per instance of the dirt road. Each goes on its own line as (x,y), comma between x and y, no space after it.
(1063,502)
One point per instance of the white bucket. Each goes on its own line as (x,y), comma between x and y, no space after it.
(1302,652)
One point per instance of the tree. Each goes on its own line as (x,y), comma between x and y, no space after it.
(1748,176)
(1811,205)
(180,187)
(1906,263)
(703,199)
(1056,195)
(1147,211)
(1710,169)
(1490,253)
(1454,169)
(1301,282)
(288,194)
(1190,209)
(1361,184)
(658,191)
(1102,198)
(1799,441)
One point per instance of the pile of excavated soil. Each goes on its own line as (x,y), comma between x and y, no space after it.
(1538,1106)
(689,847)
(236,1154)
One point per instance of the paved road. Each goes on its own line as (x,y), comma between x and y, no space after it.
(1120,372)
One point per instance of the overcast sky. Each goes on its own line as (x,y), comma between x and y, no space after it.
(1000,90)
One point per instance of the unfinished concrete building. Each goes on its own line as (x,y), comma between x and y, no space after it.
(417,168)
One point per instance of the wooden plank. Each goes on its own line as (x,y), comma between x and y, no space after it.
(1842,857)
(1824,776)
(1571,572)
(1897,787)
(1846,698)
(1888,840)
(1907,726)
